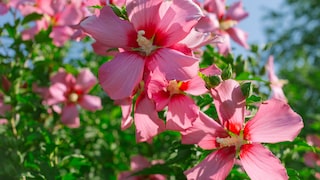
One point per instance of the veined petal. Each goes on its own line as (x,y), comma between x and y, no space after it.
(236,11)
(177,19)
(239,36)
(260,163)
(174,64)
(274,122)
(91,103)
(109,29)
(146,120)
(216,165)
(230,105)
(203,132)
(70,116)
(120,76)
(143,13)
(196,86)
(182,111)
(86,80)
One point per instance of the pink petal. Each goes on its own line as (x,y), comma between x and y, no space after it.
(59,77)
(230,104)
(138,163)
(236,12)
(4,108)
(311,159)
(211,70)
(57,93)
(224,48)
(86,80)
(120,76)
(60,34)
(260,163)
(274,122)
(196,86)
(313,140)
(109,29)
(182,111)
(3,121)
(218,7)
(174,64)
(3,8)
(70,15)
(91,103)
(216,165)
(203,132)
(70,116)
(126,109)
(146,120)
(103,50)
(239,36)
(177,19)
(143,13)
(208,23)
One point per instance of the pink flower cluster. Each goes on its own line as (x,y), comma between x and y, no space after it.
(154,65)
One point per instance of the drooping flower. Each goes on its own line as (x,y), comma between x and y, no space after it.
(182,110)
(276,84)
(221,20)
(138,163)
(232,137)
(147,41)
(70,92)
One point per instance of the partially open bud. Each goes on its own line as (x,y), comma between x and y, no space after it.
(211,81)
(226,72)
(246,89)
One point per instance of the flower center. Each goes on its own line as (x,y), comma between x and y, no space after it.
(145,44)
(174,87)
(236,140)
(224,25)
(73,97)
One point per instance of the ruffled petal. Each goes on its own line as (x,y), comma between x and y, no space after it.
(146,120)
(230,104)
(120,76)
(203,132)
(57,93)
(182,111)
(274,122)
(260,163)
(109,29)
(91,103)
(175,65)
(126,109)
(70,116)
(216,165)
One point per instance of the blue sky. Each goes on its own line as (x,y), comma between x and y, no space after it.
(254,23)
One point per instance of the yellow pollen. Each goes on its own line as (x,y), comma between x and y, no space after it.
(236,141)
(73,97)
(224,25)
(173,87)
(144,43)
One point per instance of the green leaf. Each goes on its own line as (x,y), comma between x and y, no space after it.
(31,17)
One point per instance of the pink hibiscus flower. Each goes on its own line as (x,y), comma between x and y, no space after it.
(147,41)
(182,110)
(71,91)
(222,21)
(275,83)
(312,159)
(3,8)
(138,163)
(61,15)
(232,137)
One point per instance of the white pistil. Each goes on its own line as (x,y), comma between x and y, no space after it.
(145,44)
(73,97)
(173,87)
(236,141)
(224,25)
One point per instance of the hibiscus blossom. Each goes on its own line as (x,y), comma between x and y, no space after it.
(276,84)
(149,39)
(71,91)
(221,20)
(232,137)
